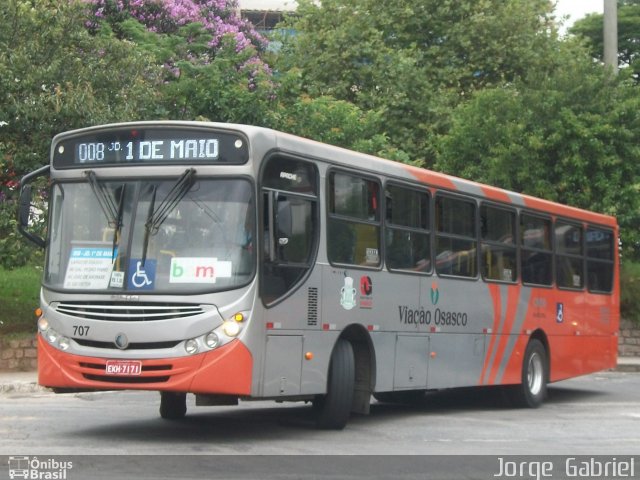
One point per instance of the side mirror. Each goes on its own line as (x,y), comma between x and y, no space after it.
(24,209)
(24,206)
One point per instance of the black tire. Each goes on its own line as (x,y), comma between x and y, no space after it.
(532,390)
(334,408)
(173,406)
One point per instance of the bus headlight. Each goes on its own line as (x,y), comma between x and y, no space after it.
(64,343)
(212,340)
(52,335)
(231,328)
(43,324)
(191,346)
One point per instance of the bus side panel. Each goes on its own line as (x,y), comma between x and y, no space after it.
(576,355)
(314,370)
(456,359)
(384,344)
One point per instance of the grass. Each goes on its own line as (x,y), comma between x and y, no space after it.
(19,297)
(630,291)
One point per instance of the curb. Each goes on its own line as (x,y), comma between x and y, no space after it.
(21,387)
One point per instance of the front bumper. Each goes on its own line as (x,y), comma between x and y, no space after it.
(225,370)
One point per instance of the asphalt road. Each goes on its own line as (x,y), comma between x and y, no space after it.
(594,415)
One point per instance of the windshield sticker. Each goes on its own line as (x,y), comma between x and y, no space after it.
(89,268)
(198,270)
(117,280)
(142,277)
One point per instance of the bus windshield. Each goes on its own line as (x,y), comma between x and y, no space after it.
(187,235)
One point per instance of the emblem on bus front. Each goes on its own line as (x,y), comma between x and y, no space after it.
(121,341)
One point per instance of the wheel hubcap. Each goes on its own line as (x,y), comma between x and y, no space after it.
(535,375)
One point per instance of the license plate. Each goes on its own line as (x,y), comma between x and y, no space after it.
(126,368)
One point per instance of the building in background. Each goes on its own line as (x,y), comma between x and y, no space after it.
(265,14)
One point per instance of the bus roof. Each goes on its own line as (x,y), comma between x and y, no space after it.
(350,159)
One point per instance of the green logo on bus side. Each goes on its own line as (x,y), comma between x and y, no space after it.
(435,294)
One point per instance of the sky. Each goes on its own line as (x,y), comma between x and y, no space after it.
(577,9)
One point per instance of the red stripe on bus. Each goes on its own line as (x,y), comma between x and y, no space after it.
(494,290)
(513,297)
(566,211)
(431,178)
(496,194)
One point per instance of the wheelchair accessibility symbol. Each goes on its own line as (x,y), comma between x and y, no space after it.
(560,312)
(142,277)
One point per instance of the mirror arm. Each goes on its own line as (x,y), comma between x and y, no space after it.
(24,205)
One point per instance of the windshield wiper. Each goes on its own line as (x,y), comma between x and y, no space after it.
(118,223)
(111,210)
(105,200)
(147,223)
(155,218)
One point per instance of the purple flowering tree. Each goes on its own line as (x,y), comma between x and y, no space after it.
(218,17)
(212,57)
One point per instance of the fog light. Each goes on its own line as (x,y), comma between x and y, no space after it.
(231,328)
(212,340)
(191,346)
(43,324)
(64,343)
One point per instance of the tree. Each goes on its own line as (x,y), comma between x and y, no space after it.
(570,141)
(53,77)
(413,60)
(591,29)
(212,58)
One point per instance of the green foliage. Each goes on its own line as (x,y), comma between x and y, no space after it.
(557,138)
(413,60)
(13,250)
(54,76)
(629,287)
(19,297)
(233,87)
(336,122)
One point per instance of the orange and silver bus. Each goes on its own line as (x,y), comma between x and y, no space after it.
(237,263)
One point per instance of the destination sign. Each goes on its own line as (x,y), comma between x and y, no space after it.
(150,146)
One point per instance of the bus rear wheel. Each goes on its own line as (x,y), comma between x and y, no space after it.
(173,406)
(533,387)
(334,408)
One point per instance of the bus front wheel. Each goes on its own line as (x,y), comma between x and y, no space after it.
(173,406)
(334,408)
(533,387)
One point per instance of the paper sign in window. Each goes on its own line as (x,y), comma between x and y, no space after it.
(198,270)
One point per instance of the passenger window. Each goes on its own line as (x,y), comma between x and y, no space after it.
(290,225)
(407,239)
(456,242)
(498,233)
(600,260)
(569,255)
(354,220)
(536,254)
